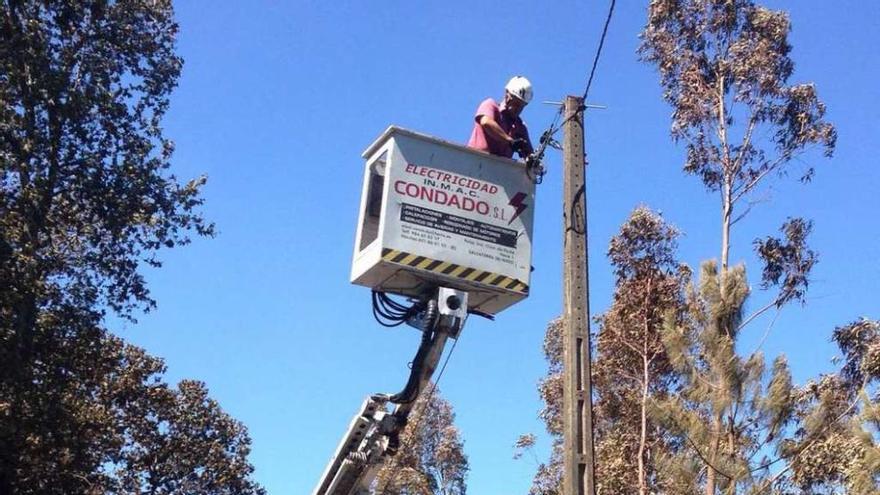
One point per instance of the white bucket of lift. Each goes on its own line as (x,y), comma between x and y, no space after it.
(438,213)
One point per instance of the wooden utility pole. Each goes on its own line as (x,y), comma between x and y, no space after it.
(578,475)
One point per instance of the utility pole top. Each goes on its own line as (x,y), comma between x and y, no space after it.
(587,105)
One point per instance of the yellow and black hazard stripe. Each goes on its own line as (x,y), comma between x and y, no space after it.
(453,270)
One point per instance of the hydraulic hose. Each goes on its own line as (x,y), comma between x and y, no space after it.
(411,390)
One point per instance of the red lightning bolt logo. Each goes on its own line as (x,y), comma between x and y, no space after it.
(517,202)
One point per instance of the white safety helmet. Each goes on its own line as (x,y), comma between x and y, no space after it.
(520,87)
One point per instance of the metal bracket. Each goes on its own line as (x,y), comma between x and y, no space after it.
(452,305)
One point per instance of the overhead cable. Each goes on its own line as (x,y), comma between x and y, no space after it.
(547,137)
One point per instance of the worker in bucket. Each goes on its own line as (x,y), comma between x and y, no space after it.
(498,128)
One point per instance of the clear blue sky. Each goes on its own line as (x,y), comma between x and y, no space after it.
(277,101)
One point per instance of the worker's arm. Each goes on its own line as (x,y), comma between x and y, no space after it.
(493,129)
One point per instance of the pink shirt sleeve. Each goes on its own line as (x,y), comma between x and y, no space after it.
(488,108)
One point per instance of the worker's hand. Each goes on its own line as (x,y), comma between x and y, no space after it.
(520,146)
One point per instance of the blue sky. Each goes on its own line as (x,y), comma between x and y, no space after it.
(278,100)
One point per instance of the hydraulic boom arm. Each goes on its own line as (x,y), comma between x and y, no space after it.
(373,434)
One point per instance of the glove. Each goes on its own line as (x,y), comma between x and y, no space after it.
(519,145)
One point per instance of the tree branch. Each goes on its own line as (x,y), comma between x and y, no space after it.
(809,443)
(747,142)
(741,215)
(766,332)
(757,314)
(701,456)
(784,157)
(631,346)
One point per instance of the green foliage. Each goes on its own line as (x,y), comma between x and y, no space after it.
(860,343)
(85,201)
(718,413)
(715,419)
(835,446)
(778,403)
(825,432)
(836,443)
(85,197)
(96,417)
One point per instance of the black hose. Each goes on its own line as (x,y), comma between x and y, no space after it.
(411,391)
(390,313)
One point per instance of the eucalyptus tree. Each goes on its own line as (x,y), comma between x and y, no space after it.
(632,371)
(725,67)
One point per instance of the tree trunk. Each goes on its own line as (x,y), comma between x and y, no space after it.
(727,176)
(643,439)
(643,482)
(713,455)
(726,212)
(731,445)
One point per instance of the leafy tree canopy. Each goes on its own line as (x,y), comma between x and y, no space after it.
(87,200)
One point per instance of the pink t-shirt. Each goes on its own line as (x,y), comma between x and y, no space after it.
(513,126)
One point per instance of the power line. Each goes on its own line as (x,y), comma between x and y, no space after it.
(555,126)
(599,50)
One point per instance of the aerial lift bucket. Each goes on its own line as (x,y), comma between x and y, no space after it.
(435,213)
